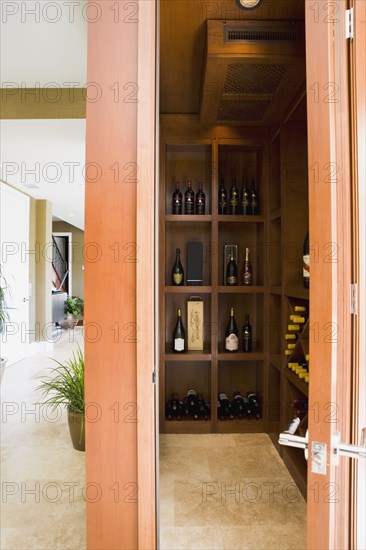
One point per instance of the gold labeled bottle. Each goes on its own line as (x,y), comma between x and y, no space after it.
(231,272)
(177,201)
(246,272)
(232,334)
(177,272)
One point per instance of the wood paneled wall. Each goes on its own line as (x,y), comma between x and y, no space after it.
(110,281)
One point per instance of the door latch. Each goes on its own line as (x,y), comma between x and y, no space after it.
(289,440)
(346,449)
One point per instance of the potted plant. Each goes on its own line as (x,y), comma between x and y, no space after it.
(65,386)
(74,310)
(4,316)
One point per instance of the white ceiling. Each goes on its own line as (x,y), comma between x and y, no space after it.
(45,44)
(51,155)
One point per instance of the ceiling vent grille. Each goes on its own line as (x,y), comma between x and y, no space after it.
(252,71)
(240,111)
(254,78)
(239,35)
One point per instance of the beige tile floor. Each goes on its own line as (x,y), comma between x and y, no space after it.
(216,491)
(227,492)
(42,476)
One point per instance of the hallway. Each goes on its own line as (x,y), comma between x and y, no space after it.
(43,477)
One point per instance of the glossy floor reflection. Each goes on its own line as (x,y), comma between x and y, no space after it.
(42,476)
(227,492)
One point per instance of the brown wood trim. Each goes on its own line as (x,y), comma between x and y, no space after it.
(329,216)
(145,281)
(358,129)
(43,103)
(110,289)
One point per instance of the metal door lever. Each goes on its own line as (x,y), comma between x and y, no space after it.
(290,440)
(346,449)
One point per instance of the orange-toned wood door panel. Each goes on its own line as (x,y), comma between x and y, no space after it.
(331,260)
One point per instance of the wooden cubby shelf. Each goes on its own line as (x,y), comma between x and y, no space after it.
(185,218)
(240,356)
(275,360)
(188,356)
(241,289)
(240,219)
(188,290)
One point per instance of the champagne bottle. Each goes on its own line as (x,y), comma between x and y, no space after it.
(306,262)
(179,334)
(177,200)
(246,272)
(247,335)
(234,198)
(200,200)
(222,198)
(231,272)
(244,199)
(232,334)
(224,407)
(189,199)
(177,272)
(254,404)
(254,200)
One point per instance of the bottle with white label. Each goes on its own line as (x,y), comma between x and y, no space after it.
(232,334)
(179,334)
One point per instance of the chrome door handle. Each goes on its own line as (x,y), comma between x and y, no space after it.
(346,449)
(290,440)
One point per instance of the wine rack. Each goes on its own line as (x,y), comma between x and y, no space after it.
(277,162)
(212,370)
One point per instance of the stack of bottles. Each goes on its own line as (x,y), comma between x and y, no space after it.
(239,407)
(194,203)
(301,369)
(193,406)
(238,202)
(295,326)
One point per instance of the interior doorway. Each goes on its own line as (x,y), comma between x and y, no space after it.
(203,139)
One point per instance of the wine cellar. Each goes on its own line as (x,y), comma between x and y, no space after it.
(251,130)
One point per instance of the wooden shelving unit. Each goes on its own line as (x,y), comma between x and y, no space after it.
(275,239)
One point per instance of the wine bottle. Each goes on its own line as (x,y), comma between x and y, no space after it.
(200,200)
(179,334)
(232,334)
(244,199)
(177,200)
(177,272)
(292,427)
(234,198)
(224,407)
(231,272)
(222,198)
(247,335)
(192,402)
(246,272)
(238,405)
(306,262)
(254,404)
(254,200)
(189,199)
(173,407)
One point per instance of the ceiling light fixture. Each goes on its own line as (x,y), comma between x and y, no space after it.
(249,4)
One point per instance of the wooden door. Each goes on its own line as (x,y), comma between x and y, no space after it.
(331,178)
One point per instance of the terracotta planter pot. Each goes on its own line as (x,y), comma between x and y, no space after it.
(77,429)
